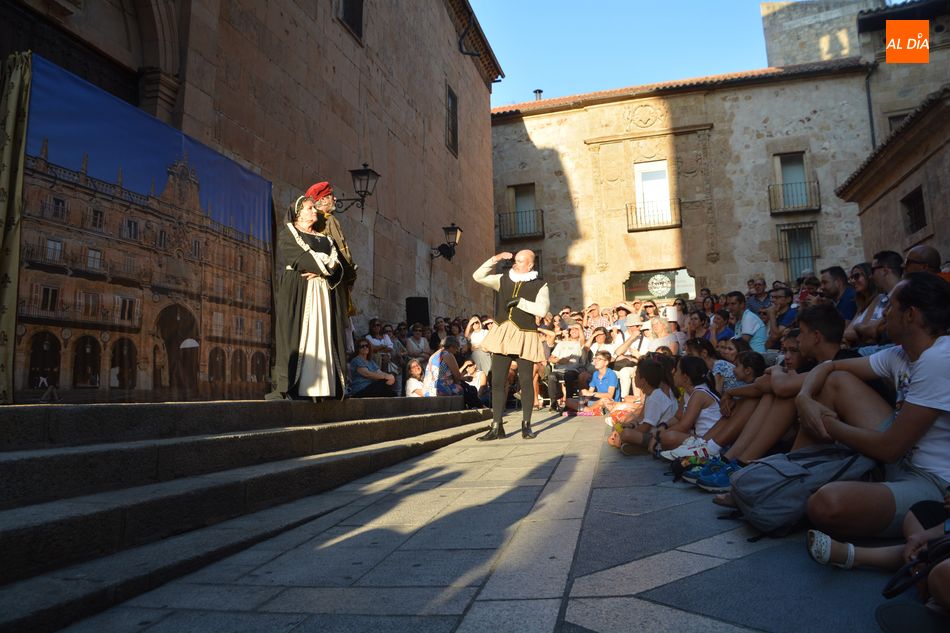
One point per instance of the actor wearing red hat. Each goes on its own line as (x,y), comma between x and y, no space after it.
(521,298)
(310,360)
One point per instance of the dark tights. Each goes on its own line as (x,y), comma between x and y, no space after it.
(499,374)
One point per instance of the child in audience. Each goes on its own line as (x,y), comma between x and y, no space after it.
(700,411)
(658,409)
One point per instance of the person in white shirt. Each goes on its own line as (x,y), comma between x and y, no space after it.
(417,345)
(660,406)
(835,404)
(414,383)
(567,363)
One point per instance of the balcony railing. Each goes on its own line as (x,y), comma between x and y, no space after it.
(521,224)
(42,253)
(790,197)
(652,215)
(80,315)
(228,333)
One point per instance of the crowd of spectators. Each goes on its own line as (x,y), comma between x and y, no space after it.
(857,356)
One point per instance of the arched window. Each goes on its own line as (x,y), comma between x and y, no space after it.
(216,365)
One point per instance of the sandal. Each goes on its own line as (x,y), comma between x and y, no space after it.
(819,548)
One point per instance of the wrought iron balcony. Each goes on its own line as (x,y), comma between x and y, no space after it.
(791,197)
(521,224)
(652,215)
(72,314)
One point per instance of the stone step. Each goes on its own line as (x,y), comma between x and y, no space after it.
(36,476)
(39,538)
(56,599)
(24,427)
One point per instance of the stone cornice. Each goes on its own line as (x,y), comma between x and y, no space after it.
(626,136)
(463,16)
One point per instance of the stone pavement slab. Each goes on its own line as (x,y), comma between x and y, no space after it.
(561,534)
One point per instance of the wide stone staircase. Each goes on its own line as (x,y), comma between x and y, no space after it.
(102,502)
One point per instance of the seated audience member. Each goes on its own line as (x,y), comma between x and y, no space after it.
(649,310)
(781,316)
(722,371)
(417,345)
(886,271)
(834,286)
(836,405)
(366,378)
(719,326)
(864,327)
(594,319)
(662,336)
(709,306)
(476,334)
(659,407)
(626,355)
(697,326)
(748,324)
(809,292)
(700,410)
(455,329)
(381,342)
(567,363)
(475,377)
(730,349)
(623,311)
(414,382)
(604,385)
(439,331)
(922,259)
(760,299)
(598,342)
(442,375)
(766,412)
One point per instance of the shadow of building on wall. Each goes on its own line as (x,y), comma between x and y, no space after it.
(132,297)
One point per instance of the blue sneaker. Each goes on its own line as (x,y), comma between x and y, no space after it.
(716,479)
(692,467)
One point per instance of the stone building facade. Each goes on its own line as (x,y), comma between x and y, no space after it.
(117,287)
(630,192)
(305,91)
(903,188)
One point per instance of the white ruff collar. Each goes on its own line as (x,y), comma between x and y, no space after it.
(531,275)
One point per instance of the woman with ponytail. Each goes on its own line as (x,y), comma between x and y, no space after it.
(700,413)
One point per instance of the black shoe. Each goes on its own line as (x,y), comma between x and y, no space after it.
(526,432)
(496,432)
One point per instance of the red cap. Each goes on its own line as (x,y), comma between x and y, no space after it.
(319,190)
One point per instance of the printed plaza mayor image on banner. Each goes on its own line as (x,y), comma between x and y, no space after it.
(145,269)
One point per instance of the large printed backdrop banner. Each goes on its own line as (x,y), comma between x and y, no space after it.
(145,268)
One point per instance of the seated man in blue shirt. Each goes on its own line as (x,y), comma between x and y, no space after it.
(604,385)
(748,325)
(780,316)
(835,286)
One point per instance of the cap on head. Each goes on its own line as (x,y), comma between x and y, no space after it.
(319,191)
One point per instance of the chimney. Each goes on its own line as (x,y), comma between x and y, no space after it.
(537,94)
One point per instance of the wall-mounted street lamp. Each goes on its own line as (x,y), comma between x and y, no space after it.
(453,235)
(364,184)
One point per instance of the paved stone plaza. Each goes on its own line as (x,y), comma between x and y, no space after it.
(561,533)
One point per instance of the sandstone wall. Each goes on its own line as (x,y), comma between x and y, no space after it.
(802,32)
(285,89)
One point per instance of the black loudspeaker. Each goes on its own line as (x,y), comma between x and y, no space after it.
(417,310)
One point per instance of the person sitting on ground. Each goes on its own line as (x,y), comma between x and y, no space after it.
(836,405)
(567,363)
(864,327)
(780,315)
(760,299)
(722,371)
(414,385)
(729,349)
(604,385)
(659,407)
(442,375)
(700,409)
(367,379)
(834,286)
(748,324)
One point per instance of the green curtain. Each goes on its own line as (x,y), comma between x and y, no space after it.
(14,105)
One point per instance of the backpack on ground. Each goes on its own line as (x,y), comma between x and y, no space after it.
(772,493)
